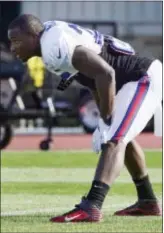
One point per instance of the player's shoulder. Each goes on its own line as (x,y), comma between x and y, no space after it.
(51,35)
(54,28)
(50,39)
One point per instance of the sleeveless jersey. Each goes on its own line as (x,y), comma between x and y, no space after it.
(121,56)
(60,39)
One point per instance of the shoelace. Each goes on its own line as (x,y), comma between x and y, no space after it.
(82,205)
(77,206)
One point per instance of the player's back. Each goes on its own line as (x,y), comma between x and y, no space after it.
(127,67)
(82,34)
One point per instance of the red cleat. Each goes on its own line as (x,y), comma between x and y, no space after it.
(141,208)
(84,212)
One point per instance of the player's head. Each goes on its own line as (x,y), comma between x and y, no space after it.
(24,34)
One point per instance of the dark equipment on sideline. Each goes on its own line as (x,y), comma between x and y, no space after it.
(13,73)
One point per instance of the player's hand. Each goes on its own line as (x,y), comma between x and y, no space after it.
(104,128)
(98,136)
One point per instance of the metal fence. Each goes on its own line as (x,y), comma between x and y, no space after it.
(124,13)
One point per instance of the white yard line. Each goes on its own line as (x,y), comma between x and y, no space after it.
(52,210)
(24,204)
(79,175)
(38,204)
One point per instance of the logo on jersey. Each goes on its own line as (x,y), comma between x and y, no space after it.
(59,55)
(119,46)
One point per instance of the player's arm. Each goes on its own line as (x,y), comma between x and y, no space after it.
(93,66)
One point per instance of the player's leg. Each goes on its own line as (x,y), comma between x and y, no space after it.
(135,160)
(134,106)
(139,111)
(136,165)
(109,166)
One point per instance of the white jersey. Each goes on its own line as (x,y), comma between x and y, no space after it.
(59,41)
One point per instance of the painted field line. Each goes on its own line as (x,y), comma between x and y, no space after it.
(76,175)
(52,210)
(26,204)
(107,209)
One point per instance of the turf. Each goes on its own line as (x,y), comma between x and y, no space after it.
(37,185)
(69,159)
(66,188)
(110,224)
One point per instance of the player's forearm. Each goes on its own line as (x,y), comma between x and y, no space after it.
(93,66)
(106,90)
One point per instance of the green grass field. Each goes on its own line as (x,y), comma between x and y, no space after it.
(36,186)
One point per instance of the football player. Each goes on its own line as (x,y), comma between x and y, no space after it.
(127,89)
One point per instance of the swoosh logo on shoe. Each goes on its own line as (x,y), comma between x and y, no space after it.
(68,219)
(96,186)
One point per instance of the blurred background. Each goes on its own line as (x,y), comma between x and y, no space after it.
(74,110)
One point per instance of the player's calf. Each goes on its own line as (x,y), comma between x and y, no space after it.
(147,203)
(109,166)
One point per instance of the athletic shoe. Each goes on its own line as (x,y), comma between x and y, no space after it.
(83,212)
(141,208)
